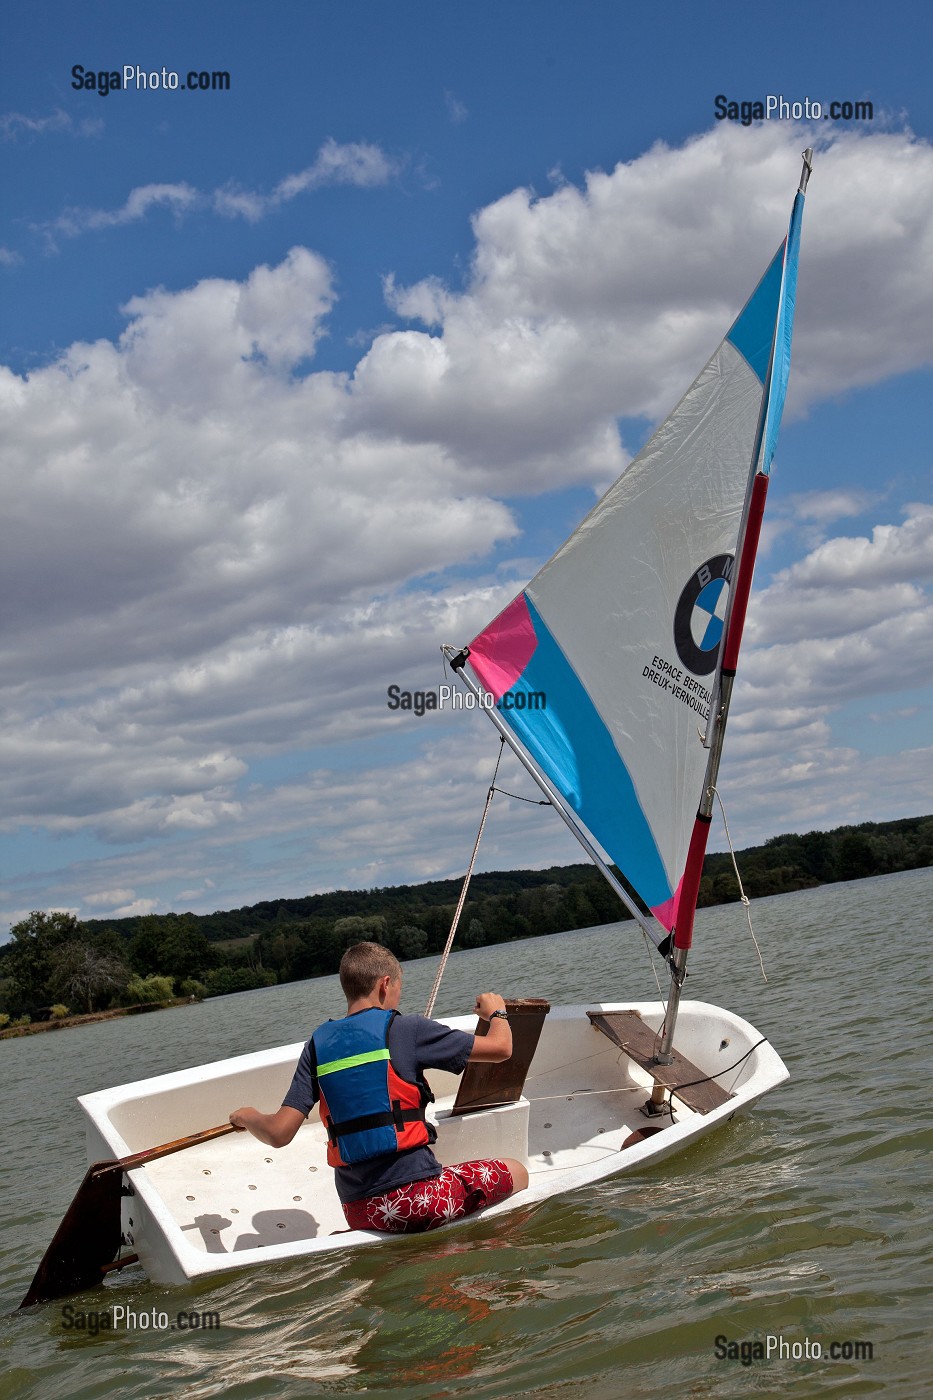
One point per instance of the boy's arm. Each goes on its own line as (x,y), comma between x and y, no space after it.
(274,1129)
(496,1045)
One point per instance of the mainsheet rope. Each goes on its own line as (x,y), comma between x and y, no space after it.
(466,885)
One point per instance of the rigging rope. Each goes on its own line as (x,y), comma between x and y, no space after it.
(535,801)
(710,1078)
(466,885)
(743,896)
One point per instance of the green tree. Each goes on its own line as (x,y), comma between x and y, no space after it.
(855,859)
(221,981)
(357,929)
(474,935)
(170,945)
(29,958)
(818,855)
(725,888)
(410,941)
(280,950)
(148,991)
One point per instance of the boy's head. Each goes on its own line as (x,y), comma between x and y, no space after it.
(365,964)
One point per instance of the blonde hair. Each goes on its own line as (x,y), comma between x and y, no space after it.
(362,966)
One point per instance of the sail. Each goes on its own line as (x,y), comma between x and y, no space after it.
(605,665)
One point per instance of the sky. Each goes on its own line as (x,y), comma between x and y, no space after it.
(306,373)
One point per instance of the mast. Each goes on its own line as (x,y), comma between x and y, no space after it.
(734,622)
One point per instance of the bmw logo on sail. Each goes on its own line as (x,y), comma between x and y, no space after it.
(700,614)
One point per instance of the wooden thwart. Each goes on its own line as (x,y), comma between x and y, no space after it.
(627,1030)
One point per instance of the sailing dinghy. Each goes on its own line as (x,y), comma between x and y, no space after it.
(612,675)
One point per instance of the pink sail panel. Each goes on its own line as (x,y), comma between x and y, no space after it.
(501,652)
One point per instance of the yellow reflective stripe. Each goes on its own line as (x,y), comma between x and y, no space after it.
(365,1059)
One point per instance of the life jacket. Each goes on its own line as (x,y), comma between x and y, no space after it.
(368,1109)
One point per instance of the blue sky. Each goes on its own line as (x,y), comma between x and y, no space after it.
(305,377)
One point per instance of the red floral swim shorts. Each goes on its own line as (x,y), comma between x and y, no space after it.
(424,1205)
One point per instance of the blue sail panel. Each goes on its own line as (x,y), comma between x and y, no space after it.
(550,711)
(780,367)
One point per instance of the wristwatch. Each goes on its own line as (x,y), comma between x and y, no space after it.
(503,1014)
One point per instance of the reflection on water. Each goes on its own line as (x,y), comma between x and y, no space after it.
(803,1220)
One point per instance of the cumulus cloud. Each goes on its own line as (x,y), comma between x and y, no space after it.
(218,553)
(109,899)
(330,826)
(821,785)
(808,515)
(594,303)
(134,909)
(354,163)
(851,620)
(204,544)
(894,553)
(116,904)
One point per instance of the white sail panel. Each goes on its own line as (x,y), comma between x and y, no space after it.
(604,665)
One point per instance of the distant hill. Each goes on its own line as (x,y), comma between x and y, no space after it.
(285,940)
(787,862)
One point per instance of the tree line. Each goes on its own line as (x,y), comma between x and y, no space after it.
(55,963)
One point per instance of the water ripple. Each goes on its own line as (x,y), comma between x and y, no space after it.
(804,1221)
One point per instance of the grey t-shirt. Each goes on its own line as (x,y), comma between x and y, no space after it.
(416,1044)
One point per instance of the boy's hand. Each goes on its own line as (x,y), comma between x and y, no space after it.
(274,1129)
(496,1044)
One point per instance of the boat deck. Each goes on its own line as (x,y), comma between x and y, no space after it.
(235,1194)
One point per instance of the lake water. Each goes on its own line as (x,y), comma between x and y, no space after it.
(807,1221)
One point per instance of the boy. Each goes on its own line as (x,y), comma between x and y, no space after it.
(367,1070)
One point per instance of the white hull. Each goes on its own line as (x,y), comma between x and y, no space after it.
(233,1202)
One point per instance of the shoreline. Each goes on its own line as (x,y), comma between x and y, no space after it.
(36,1027)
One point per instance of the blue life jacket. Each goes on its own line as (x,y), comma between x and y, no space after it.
(368,1109)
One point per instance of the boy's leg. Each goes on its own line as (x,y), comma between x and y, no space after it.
(424,1205)
(518,1173)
